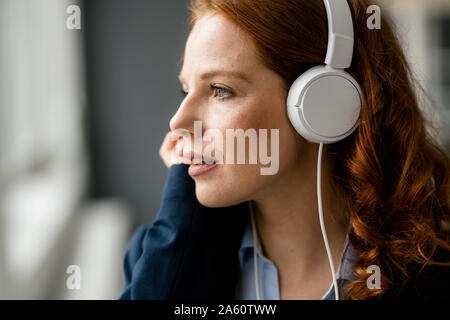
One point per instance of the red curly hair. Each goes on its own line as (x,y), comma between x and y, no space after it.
(395,176)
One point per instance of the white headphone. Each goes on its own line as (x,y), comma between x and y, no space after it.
(324,105)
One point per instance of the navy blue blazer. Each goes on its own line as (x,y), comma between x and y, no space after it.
(190,252)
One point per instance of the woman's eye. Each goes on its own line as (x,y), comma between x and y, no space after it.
(221,93)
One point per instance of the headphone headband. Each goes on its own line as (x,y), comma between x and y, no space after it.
(340,34)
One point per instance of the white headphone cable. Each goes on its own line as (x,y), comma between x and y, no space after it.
(255,248)
(322,224)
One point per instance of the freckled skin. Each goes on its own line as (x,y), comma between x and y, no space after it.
(217,43)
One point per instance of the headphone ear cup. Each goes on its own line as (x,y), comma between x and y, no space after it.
(324,104)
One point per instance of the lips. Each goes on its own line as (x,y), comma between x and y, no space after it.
(196,169)
(196,158)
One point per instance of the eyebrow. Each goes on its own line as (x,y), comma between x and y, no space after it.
(212,73)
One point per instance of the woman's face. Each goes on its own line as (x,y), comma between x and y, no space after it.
(228,87)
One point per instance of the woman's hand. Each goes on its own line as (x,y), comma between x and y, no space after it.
(171,151)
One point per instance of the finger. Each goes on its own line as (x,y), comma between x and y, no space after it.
(179,147)
(174,136)
(169,142)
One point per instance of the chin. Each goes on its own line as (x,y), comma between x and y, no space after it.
(215,196)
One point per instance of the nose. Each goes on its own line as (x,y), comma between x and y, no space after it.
(185,116)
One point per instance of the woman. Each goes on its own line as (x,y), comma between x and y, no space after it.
(385,187)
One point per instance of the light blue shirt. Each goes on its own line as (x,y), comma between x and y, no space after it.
(268,273)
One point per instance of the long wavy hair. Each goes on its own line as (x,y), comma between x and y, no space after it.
(394,174)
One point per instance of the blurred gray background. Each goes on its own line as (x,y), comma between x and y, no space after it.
(132,51)
(82,117)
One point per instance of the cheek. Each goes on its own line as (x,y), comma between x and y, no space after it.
(273,115)
(256,114)
(231,184)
